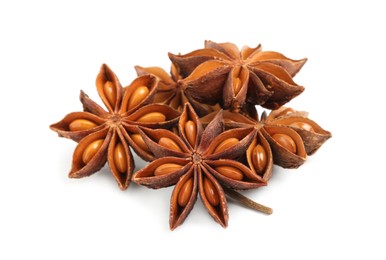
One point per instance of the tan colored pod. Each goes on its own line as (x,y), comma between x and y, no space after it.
(170,144)
(109,88)
(137,96)
(157,174)
(154,116)
(77,125)
(282,155)
(312,134)
(226,144)
(91,150)
(138,140)
(260,166)
(140,92)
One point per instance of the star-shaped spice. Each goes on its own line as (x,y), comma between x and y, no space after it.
(171,90)
(198,161)
(107,135)
(222,73)
(287,136)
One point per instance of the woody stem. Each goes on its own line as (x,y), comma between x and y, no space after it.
(247,202)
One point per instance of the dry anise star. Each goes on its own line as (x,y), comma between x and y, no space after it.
(198,161)
(286,135)
(222,73)
(106,135)
(171,88)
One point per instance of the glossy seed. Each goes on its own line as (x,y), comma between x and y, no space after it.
(303,126)
(81,125)
(120,158)
(167,168)
(191,132)
(227,143)
(236,85)
(170,144)
(185,192)
(259,158)
(211,193)
(137,96)
(137,138)
(153,117)
(91,150)
(285,141)
(110,94)
(230,172)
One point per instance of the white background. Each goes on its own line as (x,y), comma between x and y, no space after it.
(333,207)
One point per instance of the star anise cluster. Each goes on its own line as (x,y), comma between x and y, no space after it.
(198,127)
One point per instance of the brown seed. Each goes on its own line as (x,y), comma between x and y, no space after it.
(81,124)
(227,143)
(170,144)
(285,141)
(153,117)
(120,158)
(259,158)
(137,96)
(110,94)
(211,193)
(167,168)
(236,85)
(185,192)
(137,138)
(190,132)
(230,172)
(303,126)
(91,150)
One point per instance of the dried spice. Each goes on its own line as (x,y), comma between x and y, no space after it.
(107,135)
(222,73)
(229,148)
(287,136)
(171,90)
(198,161)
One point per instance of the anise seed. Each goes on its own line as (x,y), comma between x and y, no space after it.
(137,96)
(190,132)
(230,172)
(119,158)
(81,124)
(303,126)
(91,150)
(108,89)
(211,193)
(185,192)
(286,141)
(167,168)
(170,144)
(259,158)
(153,117)
(227,143)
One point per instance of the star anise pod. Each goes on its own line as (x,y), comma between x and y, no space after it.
(171,89)
(222,73)
(198,161)
(286,136)
(108,135)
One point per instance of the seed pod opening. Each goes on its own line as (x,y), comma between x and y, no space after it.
(282,155)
